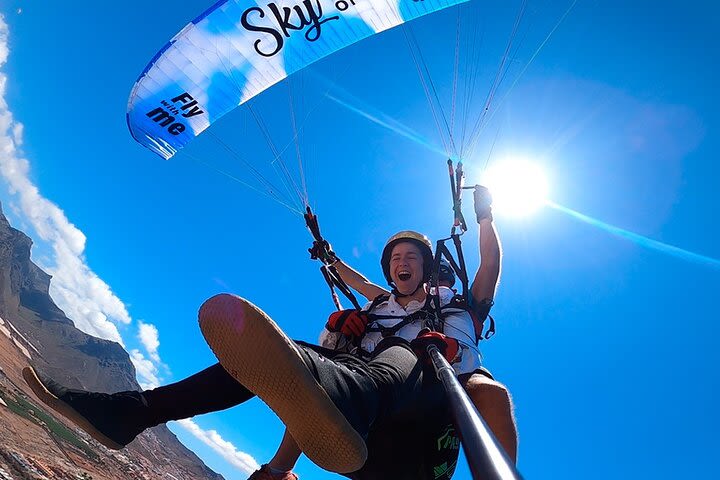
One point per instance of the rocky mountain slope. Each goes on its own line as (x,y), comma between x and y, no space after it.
(33,440)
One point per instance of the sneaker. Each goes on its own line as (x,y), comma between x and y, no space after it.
(265,474)
(113,420)
(258,355)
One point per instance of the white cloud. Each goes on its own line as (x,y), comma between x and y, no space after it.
(147,371)
(243,461)
(149,337)
(4,45)
(84,297)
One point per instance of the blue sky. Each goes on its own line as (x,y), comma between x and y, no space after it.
(605,340)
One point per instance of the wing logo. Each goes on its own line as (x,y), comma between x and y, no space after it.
(282,21)
(183,105)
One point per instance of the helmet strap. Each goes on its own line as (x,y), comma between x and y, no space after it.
(397,294)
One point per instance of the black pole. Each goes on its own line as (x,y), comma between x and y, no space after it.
(485,456)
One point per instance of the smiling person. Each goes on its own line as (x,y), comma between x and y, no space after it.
(365,412)
(403,313)
(406,263)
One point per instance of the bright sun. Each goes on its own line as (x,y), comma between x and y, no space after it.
(519,187)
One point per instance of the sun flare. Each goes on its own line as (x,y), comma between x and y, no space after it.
(519,187)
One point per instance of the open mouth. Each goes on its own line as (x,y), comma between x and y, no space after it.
(404,276)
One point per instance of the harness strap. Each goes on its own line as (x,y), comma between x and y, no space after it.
(462,300)
(427,312)
(329,281)
(423,313)
(382,298)
(456,186)
(329,272)
(334,280)
(491,330)
(404,320)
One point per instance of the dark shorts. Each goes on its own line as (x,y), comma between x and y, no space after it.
(421,443)
(395,403)
(367,391)
(409,430)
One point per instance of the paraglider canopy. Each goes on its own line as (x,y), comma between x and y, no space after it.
(237,49)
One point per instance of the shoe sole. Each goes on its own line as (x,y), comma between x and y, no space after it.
(48,398)
(252,349)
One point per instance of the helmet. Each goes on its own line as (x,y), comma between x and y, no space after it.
(445,273)
(422,242)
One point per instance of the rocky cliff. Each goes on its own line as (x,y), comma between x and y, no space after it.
(39,333)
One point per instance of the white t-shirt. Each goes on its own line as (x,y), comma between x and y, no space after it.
(458,325)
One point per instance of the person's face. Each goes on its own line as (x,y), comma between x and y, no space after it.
(406,267)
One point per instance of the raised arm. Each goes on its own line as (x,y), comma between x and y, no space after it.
(358,281)
(486,279)
(323,251)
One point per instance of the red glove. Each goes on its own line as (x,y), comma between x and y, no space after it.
(348,322)
(448,346)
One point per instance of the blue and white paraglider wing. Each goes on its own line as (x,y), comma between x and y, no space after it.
(237,49)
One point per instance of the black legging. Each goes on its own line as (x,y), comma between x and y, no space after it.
(385,399)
